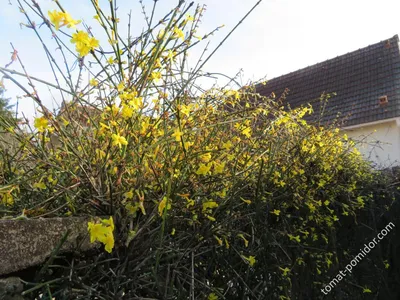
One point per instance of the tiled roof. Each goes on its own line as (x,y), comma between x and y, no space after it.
(358,78)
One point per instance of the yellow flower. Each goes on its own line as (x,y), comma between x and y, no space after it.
(84,43)
(102,232)
(246,242)
(97,231)
(228,145)
(188,144)
(113,109)
(50,179)
(82,48)
(7,199)
(118,140)
(311,206)
(218,240)
(210,218)
(292,237)
(247,132)
(285,270)
(387,265)
(132,209)
(56,18)
(212,296)
(39,185)
(155,76)
(177,134)
(109,222)
(69,21)
(144,127)
(251,259)
(100,154)
(93,82)
(171,56)
(141,206)
(136,102)
(162,205)
(129,195)
(41,124)
(280,183)
(233,93)
(219,168)
(226,243)
(127,112)
(203,169)
(65,121)
(209,205)
(178,33)
(276,212)
(80,37)
(248,202)
(93,43)
(163,95)
(160,34)
(185,109)
(206,157)
(108,242)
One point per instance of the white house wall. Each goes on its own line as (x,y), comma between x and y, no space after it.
(379,143)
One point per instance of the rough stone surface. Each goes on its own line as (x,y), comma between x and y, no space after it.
(26,243)
(11,288)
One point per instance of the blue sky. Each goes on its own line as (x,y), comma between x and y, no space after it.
(280,36)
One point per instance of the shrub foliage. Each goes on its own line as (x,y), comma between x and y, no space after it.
(215,194)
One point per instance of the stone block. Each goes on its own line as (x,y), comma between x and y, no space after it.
(26,243)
